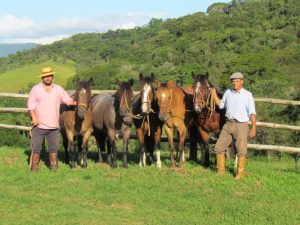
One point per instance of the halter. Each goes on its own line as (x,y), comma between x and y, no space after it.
(209,103)
(125,100)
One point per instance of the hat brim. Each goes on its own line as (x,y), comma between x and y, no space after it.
(47,74)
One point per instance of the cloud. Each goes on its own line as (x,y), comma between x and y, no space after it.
(25,30)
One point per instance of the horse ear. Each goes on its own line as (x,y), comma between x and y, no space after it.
(156,84)
(141,76)
(76,80)
(91,81)
(131,82)
(170,83)
(152,76)
(193,75)
(206,75)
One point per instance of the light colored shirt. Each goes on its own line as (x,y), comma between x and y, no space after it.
(46,104)
(239,104)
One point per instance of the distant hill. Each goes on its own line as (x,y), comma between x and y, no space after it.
(6,49)
(260,38)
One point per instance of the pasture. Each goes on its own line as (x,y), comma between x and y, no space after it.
(148,195)
(18,79)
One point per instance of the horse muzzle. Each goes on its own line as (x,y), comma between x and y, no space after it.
(81,113)
(124,112)
(163,116)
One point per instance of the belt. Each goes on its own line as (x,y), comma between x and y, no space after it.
(232,121)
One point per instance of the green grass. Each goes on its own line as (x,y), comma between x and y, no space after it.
(18,79)
(189,195)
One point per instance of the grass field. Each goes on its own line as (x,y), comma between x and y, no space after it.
(15,80)
(189,195)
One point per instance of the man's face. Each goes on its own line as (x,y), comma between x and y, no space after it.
(237,84)
(48,80)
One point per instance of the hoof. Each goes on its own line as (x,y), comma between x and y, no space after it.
(114,165)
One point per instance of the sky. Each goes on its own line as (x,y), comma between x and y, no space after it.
(46,21)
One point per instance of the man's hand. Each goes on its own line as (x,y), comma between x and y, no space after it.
(213,92)
(35,122)
(252,132)
(72,102)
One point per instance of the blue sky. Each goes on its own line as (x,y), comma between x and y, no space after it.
(45,21)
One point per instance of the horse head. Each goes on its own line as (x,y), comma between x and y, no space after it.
(83,96)
(125,95)
(164,99)
(201,91)
(147,90)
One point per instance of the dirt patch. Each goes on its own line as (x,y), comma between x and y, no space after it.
(11,159)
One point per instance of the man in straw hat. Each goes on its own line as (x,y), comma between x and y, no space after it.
(44,103)
(240,107)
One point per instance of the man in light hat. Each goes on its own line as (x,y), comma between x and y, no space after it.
(240,107)
(44,103)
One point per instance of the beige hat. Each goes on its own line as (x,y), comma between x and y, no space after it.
(47,71)
(237,75)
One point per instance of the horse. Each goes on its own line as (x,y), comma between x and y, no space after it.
(148,125)
(112,118)
(209,118)
(172,111)
(76,123)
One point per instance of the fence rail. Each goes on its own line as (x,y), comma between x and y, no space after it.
(270,100)
(258,147)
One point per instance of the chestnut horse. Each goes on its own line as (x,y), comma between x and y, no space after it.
(112,118)
(172,111)
(148,125)
(209,118)
(76,122)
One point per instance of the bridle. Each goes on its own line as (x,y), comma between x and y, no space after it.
(209,102)
(126,103)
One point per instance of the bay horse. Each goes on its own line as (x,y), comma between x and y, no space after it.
(76,123)
(148,125)
(209,118)
(172,111)
(112,118)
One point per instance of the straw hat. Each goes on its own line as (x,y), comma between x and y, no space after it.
(47,71)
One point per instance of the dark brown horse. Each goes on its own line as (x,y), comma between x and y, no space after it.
(112,118)
(172,111)
(148,125)
(209,118)
(76,122)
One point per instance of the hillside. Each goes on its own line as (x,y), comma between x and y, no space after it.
(21,79)
(259,38)
(6,49)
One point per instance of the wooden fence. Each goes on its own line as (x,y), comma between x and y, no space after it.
(251,146)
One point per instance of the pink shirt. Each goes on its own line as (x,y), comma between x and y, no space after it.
(46,104)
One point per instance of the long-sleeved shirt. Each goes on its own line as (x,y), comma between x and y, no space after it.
(46,104)
(239,104)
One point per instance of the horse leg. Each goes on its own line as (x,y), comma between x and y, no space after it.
(157,137)
(65,144)
(182,132)
(71,149)
(100,144)
(85,140)
(204,160)
(126,136)
(169,132)
(193,143)
(113,154)
(141,140)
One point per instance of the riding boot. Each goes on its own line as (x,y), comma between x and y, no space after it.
(35,160)
(220,164)
(53,161)
(241,167)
